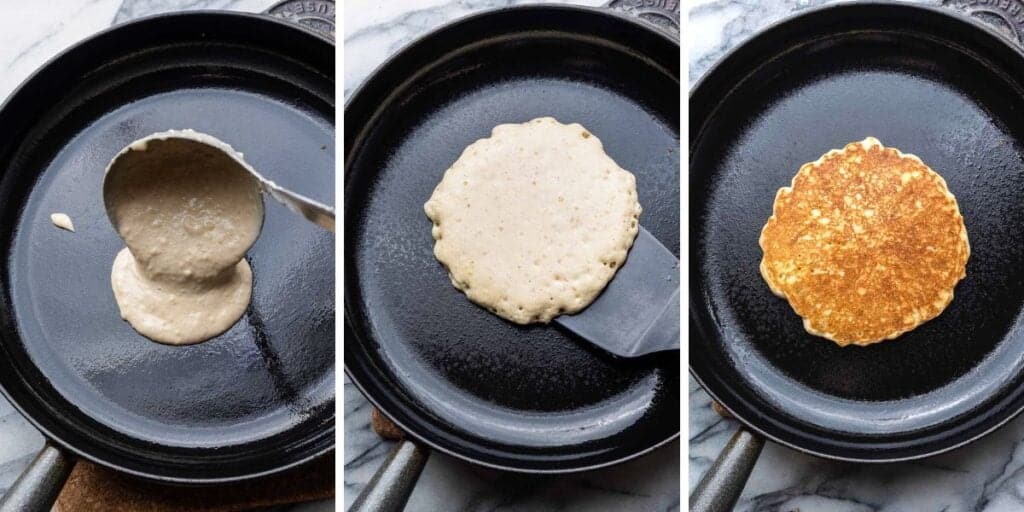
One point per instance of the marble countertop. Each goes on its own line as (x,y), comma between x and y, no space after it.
(30,34)
(987,475)
(373,31)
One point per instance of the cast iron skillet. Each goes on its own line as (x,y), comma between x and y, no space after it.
(453,376)
(924,80)
(253,401)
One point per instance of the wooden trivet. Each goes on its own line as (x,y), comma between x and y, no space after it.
(383,426)
(715,406)
(93,488)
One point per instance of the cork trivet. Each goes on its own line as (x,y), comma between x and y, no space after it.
(383,426)
(93,488)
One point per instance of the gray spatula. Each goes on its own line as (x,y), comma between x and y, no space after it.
(638,312)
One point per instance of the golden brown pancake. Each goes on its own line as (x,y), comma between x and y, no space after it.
(866,244)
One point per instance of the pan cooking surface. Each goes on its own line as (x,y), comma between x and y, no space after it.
(214,410)
(210,394)
(912,90)
(526,397)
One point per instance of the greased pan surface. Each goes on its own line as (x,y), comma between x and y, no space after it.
(448,372)
(918,79)
(252,401)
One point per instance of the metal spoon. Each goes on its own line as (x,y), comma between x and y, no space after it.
(316,212)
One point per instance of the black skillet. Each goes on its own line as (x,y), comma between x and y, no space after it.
(931,82)
(454,377)
(253,401)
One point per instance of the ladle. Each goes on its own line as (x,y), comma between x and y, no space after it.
(313,211)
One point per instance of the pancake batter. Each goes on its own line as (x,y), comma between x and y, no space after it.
(188,211)
(61,220)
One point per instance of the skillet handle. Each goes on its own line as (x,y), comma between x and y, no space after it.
(723,483)
(317,15)
(38,486)
(1005,17)
(390,487)
(663,14)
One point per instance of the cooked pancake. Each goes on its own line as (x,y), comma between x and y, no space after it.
(533,221)
(866,244)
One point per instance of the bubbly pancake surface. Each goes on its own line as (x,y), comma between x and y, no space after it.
(866,244)
(534,221)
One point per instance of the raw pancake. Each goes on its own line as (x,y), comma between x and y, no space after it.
(178,315)
(188,210)
(534,221)
(867,244)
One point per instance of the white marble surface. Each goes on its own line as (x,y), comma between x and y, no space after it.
(373,31)
(30,34)
(985,476)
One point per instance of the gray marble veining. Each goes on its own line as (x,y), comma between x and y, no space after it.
(373,31)
(131,10)
(987,475)
(30,34)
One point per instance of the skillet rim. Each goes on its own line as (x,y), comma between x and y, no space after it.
(327,431)
(804,16)
(348,327)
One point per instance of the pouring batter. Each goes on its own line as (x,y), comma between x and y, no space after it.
(188,209)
